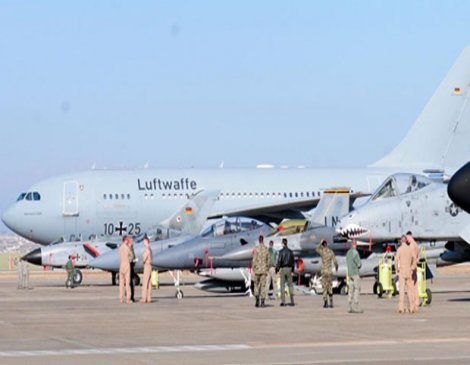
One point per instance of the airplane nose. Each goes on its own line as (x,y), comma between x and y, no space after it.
(459,187)
(34,257)
(9,218)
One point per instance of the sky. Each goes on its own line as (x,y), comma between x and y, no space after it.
(172,84)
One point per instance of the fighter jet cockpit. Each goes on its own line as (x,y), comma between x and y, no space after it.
(400,184)
(229,226)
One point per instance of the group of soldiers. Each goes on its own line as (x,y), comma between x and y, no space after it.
(267,263)
(406,265)
(265,266)
(127,271)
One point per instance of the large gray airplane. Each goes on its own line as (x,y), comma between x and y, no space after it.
(186,222)
(411,202)
(111,203)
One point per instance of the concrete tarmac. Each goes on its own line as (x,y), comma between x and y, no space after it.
(50,324)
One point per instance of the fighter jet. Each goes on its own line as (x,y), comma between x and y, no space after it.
(112,203)
(188,220)
(411,202)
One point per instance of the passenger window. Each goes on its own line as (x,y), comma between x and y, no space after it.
(36,196)
(116,196)
(122,196)
(128,196)
(104,196)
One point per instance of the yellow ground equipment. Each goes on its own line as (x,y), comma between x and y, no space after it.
(424,293)
(385,284)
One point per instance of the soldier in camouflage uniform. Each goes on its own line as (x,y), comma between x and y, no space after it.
(327,259)
(260,269)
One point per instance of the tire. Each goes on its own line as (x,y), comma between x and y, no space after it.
(136,279)
(78,277)
(380,290)
(395,290)
(179,294)
(344,289)
(429,294)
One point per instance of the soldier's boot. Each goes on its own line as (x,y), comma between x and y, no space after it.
(292,301)
(257,302)
(331,301)
(325,303)
(262,303)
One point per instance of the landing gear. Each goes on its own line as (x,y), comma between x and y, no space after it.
(114,278)
(246,274)
(78,277)
(176,281)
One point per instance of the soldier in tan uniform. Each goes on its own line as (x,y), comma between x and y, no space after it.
(417,253)
(404,263)
(147,262)
(125,270)
(260,267)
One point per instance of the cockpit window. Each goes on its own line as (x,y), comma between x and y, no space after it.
(400,184)
(230,226)
(29,196)
(36,196)
(21,197)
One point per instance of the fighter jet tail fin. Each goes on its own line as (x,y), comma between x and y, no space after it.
(439,137)
(191,217)
(332,206)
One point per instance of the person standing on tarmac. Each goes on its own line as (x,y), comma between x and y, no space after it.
(271,278)
(132,262)
(260,269)
(404,264)
(125,270)
(327,260)
(285,267)
(147,262)
(353,262)
(414,275)
(70,272)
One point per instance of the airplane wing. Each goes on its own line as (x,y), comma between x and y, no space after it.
(276,212)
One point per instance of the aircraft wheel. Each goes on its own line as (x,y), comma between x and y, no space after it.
(136,279)
(374,288)
(380,290)
(78,277)
(344,289)
(179,294)
(395,290)
(429,296)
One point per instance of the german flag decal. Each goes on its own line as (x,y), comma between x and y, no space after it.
(189,210)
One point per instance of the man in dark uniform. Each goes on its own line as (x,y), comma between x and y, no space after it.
(285,267)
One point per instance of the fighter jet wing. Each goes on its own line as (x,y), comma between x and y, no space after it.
(271,212)
(276,212)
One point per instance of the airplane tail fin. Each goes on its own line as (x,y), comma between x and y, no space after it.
(332,206)
(439,137)
(192,216)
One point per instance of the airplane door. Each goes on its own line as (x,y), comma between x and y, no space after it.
(70,199)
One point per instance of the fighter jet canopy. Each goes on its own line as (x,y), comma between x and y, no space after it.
(400,184)
(230,225)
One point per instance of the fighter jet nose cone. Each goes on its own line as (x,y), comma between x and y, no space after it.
(459,187)
(34,257)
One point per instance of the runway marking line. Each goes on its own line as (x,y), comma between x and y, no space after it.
(223,347)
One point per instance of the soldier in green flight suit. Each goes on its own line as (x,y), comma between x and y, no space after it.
(327,260)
